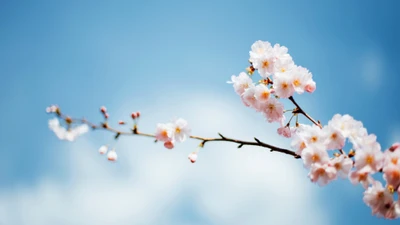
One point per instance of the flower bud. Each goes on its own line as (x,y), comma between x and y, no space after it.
(192,157)
(169,144)
(103,109)
(121,122)
(103,149)
(394,147)
(310,87)
(133,115)
(137,114)
(106,115)
(112,156)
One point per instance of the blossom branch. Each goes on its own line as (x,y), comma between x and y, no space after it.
(135,131)
(301,111)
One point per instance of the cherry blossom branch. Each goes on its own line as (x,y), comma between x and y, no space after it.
(301,111)
(204,140)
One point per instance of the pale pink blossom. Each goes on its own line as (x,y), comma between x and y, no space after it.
(283,86)
(334,138)
(298,143)
(273,110)
(192,157)
(103,149)
(241,82)
(322,174)
(265,64)
(284,64)
(312,134)
(164,132)
(285,131)
(262,93)
(248,97)
(112,156)
(314,154)
(300,78)
(392,157)
(342,164)
(369,156)
(181,130)
(362,176)
(391,174)
(52,109)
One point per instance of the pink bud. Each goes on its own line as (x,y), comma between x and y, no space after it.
(133,115)
(310,87)
(192,157)
(169,144)
(394,147)
(103,109)
(112,156)
(137,114)
(121,122)
(106,115)
(272,91)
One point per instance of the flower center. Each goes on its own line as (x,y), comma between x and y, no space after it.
(284,85)
(296,83)
(265,95)
(314,139)
(395,160)
(369,160)
(265,64)
(315,158)
(164,133)
(177,130)
(334,136)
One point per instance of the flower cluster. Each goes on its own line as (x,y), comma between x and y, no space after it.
(281,78)
(173,132)
(69,134)
(314,145)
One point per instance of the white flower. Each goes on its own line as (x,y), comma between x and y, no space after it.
(380,200)
(369,156)
(241,82)
(300,78)
(64,134)
(259,49)
(262,93)
(362,176)
(283,86)
(334,138)
(181,130)
(284,64)
(192,157)
(249,99)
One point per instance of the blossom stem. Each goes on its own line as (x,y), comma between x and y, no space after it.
(204,140)
(301,111)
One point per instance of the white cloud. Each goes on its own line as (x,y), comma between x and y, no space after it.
(372,68)
(149,183)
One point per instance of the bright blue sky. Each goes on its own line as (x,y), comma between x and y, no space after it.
(137,55)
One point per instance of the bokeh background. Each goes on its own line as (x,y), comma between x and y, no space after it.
(172,59)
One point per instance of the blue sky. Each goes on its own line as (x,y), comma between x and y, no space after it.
(173,58)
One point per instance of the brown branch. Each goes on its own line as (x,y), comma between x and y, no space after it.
(301,111)
(204,140)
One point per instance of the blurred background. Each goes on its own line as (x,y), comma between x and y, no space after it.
(172,59)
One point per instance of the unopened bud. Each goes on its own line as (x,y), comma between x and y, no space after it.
(121,122)
(394,147)
(133,115)
(68,120)
(112,156)
(103,149)
(352,153)
(103,109)
(169,144)
(192,157)
(106,115)
(137,114)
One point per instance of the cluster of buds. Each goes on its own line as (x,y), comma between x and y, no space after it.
(111,155)
(103,111)
(170,133)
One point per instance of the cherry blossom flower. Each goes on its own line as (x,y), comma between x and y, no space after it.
(249,98)
(52,109)
(322,174)
(164,132)
(391,174)
(342,164)
(262,93)
(392,157)
(241,82)
(284,64)
(273,110)
(369,156)
(310,86)
(334,139)
(259,49)
(103,149)
(181,130)
(300,78)
(63,134)
(361,176)
(314,154)
(283,86)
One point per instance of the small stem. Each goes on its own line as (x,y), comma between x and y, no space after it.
(301,111)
